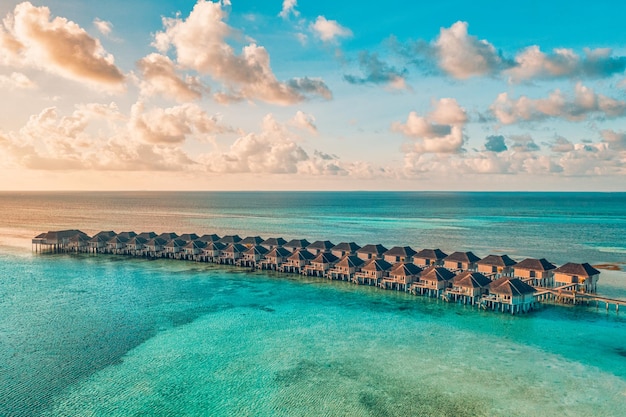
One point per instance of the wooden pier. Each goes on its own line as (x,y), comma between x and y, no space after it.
(501,288)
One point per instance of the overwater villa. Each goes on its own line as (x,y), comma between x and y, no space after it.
(581,277)
(321,264)
(345,269)
(231,254)
(509,295)
(230,239)
(428,257)
(296,244)
(399,254)
(496,266)
(273,242)
(252,256)
(372,272)
(535,272)
(212,252)
(495,282)
(274,259)
(320,246)
(461,261)
(468,287)
(296,262)
(433,281)
(401,276)
(370,251)
(251,241)
(344,248)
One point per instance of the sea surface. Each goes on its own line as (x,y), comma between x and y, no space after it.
(96,335)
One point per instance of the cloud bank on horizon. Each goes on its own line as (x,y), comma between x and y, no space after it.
(238,95)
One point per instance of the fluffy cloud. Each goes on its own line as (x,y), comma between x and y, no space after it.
(377,72)
(441,131)
(584,104)
(103,26)
(289,8)
(16,81)
(561,145)
(463,56)
(495,144)
(160,78)
(329,30)
(29,37)
(532,63)
(173,125)
(615,140)
(200,44)
(304,121)
(523,143)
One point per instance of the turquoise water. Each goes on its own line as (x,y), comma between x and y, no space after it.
(109,336)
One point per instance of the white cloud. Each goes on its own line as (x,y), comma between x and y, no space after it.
(329,30)
(16,81)
(160,78)
(103,26)
(304,121)
(463,56)
(289,7)
(441,131)
(532,63)
(31,38)
(173,125)
(583,104)
(200,44)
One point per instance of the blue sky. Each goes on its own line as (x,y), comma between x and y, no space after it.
(313,95)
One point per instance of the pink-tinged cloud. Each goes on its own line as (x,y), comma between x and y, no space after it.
(329,30)
(463,56)
(440,131)
(31,38)
(584,104)
(200,44)
(16,81)
(289,8)
(159,77)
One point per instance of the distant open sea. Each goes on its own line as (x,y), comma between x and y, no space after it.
(85,335)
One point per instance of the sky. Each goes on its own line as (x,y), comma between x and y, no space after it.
(312,95)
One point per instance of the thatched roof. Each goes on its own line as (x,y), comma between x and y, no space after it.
(103,235)
(252,240)
(497,260)
(213,246)
(176,243)
(377,265)
(301,255)
(209,238)
(370,249)
(470,279)
(436,254)
(465,257)
(257,250)
(510,286)
(274,241)
(404,251)
(157,241)
(235,248)
(127,235)
(229,239)
(147,235)
(581,270)
(188,237)
(196,244)
(278,252)
(405,269)
(535,265)
(137,240)
(437,273)
(322,245)
(350,261)
(168,235)
(297,244)
(325,258)
(346,247)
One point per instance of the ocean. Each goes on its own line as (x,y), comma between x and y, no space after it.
(96,335)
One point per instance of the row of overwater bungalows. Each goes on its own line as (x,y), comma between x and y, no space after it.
(496,281)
